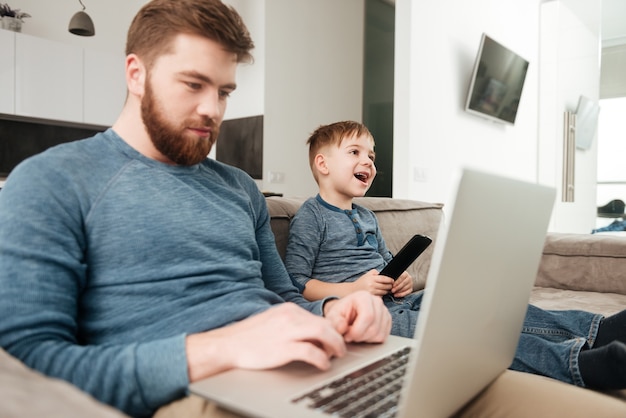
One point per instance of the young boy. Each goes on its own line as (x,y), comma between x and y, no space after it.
(335,247)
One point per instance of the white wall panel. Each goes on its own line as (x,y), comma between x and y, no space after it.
(7,72)
(49,79)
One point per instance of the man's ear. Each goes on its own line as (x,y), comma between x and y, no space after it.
(135,75)
(320,164)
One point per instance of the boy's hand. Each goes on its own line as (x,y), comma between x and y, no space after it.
(403,285)
(374,283)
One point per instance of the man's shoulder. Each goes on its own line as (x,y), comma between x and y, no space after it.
(64,166)
(74,151)
(236,180)
(228,171)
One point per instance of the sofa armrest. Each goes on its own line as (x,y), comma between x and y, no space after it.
(586,262)
(27,393)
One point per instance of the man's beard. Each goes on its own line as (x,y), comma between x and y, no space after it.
(171,141)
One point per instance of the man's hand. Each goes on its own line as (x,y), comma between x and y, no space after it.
(359,317)
(273,338)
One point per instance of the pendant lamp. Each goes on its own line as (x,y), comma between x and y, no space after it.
(81,24)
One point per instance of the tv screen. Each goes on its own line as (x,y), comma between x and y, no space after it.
(497,82)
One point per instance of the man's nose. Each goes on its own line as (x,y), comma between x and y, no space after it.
(211,106)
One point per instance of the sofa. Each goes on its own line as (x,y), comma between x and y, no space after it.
(577,271)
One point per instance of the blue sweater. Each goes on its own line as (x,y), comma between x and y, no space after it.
(109,259)
(333,245)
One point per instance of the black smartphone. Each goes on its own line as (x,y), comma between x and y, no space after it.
(411,250)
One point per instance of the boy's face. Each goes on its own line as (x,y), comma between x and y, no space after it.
(350,166)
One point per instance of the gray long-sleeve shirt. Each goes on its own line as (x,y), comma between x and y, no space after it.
(333,245)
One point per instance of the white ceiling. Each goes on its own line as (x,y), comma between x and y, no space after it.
(613,22)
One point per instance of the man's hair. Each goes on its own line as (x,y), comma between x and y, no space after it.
(157,23)
(333,134)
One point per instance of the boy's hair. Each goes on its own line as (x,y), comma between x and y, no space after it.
(333,134)
(157,23)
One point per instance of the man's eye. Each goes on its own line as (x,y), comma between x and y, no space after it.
(194,86)
(224,94)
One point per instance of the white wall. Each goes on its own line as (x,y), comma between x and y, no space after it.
(111,19)
(611,149)
(436,47)
(435,67)
(613,64)
(570,67)
(313,76)
(307,71)
(248,99)
(611,144)
(309,57)
(50,19)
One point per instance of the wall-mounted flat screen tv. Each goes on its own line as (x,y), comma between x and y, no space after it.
(497,82)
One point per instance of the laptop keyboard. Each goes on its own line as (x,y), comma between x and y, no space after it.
(372,391)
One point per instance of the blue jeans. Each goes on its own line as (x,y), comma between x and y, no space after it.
(404,312)
(549,343)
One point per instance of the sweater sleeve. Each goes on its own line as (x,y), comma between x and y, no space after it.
(274,272)
(42,274)
(305,235)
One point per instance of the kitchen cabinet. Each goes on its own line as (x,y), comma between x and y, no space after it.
(7,72)
(48,79)
(105,87)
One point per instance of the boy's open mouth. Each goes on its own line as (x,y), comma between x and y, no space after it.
(362,176)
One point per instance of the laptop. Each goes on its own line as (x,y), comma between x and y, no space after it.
(483,268)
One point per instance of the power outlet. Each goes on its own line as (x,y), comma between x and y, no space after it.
(276,177)
(420,174)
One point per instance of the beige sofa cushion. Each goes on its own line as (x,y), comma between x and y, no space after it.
(584,262)
(399,220)
(562,299)
(26,393)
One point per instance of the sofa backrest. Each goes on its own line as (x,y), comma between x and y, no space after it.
(399,220)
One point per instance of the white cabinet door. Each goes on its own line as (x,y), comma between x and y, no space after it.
(105,87)
(7,72)
(49,79)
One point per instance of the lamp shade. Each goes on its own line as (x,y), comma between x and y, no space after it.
(82,25)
